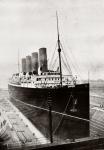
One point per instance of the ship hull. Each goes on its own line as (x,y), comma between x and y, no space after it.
(69,100)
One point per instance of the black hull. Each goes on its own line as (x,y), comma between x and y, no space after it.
(64,126)
(63,99)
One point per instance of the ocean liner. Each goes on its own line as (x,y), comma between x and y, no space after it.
(37,84)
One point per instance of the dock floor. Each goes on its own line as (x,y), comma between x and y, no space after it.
(20,130)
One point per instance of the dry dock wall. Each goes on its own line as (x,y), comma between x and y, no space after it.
(87,144)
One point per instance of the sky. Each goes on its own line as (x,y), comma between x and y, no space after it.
(27,25)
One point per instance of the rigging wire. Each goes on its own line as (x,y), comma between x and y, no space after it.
(55,61)
(62,115)
(66,66)
(66,59)
(52,58)
(71,96)
(74,66)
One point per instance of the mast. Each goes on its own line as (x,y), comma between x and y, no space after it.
(59,50)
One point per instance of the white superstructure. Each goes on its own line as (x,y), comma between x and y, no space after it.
(44,80)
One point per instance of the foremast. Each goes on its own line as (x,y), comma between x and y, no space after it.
(59,51)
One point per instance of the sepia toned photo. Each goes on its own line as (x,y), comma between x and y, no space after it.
(52,74)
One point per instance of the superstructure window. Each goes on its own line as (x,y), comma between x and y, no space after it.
(38,79)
